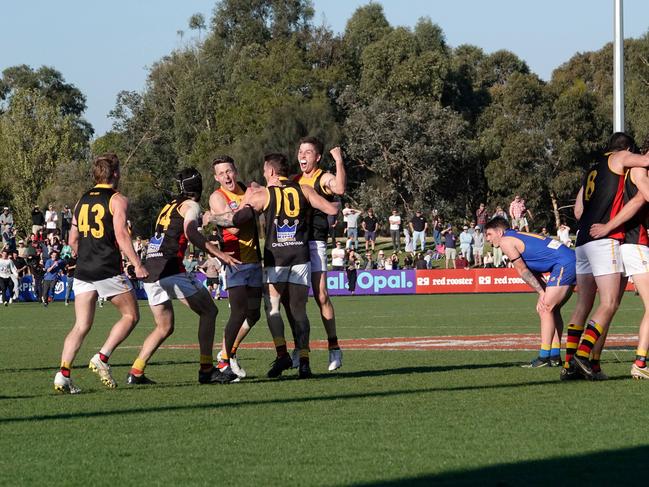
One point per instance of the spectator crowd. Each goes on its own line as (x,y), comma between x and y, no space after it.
(417,242)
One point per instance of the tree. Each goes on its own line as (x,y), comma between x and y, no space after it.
(408,157)
(197,22)
(50,83)
(35,138)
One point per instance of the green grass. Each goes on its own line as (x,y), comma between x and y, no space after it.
(387,417)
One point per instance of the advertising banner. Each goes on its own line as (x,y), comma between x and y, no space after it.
(439,281)
(470,281)
(372,282)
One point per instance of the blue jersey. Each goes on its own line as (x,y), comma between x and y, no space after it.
(542,254)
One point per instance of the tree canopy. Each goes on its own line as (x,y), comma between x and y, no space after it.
(423,124)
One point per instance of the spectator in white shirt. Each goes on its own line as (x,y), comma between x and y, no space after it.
(350,217)
(395,229)
(564,235)
(338,257)
(7,272)
(51,219)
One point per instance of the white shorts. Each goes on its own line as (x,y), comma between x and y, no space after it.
(176,286)
(106,288)
(244,275)
(318,255)
(296,274)
(635,258)
(599,257)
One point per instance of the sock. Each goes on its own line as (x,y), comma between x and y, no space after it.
(233,352)
(592,333)
(555,351)
(333,343)
(304,356)
(280,346)
(66,369)
(137,369)
(545,351)
(594,363)
(572,342)
(641,357)
(207,362)
(225,361)
(104,358)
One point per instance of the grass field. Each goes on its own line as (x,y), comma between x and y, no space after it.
(386,418)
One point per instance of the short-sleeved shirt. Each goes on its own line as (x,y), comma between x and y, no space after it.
(370,223)
(418,223)
(449,240)
(351,218)
(395,222)
(51,275)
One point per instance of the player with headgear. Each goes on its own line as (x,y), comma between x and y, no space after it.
(176,226)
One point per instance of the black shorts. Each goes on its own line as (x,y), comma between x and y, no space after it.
(212,281)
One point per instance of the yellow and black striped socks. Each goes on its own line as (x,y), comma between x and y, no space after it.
(592,333)
(572,341)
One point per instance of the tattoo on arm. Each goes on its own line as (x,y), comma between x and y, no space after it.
(223,220)
(531,279)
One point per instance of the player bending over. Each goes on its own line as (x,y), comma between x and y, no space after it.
(533,255)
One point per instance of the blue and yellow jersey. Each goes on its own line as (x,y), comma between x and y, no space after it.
(540,253)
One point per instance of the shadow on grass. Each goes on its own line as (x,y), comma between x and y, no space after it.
(261,402)
(608,467)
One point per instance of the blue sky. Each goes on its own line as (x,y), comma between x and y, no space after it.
(106,47)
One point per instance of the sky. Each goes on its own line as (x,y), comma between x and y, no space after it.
(106,47)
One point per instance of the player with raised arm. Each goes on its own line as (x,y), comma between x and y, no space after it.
(286,206)
(532,255)
(599,262)
(176,226)
(328,186)
(244,283)
(99,231)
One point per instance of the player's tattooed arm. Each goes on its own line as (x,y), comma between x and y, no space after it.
(529,277)
(223,219)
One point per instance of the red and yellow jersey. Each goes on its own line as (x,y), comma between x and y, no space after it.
(245,244)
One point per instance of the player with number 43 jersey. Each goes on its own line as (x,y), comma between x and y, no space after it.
(99,231)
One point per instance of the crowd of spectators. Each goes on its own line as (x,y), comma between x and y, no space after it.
(420,240)
(417,242)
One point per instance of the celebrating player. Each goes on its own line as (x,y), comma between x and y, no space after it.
(286,254)
(177,224)
(99,230)
(326,185)
(244,283)
(532,255)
